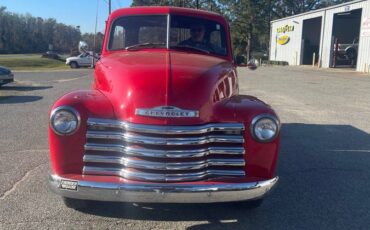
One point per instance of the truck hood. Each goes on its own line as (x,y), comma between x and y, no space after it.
(146,80)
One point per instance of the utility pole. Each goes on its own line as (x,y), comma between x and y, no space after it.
(96,26)
(110,6)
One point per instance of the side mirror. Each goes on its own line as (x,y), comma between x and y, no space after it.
(83,47)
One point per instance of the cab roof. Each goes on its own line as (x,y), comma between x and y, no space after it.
(165,10)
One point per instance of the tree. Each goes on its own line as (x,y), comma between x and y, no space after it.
(89,39)
(283,8)
(200,4)
(28,34)
(249,20)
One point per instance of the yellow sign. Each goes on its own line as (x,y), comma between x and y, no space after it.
(282,40)
(284,29)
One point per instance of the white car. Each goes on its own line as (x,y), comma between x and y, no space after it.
(6,76)
(82,60)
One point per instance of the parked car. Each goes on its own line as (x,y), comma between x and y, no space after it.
(260,54)
(82,60)
(163,121)
(348,51)
(6,76)
(51,55)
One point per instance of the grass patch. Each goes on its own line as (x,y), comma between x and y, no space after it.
(31,62)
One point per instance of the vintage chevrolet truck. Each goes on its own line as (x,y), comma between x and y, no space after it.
(164,120)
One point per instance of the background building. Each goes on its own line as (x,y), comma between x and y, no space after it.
(337,36)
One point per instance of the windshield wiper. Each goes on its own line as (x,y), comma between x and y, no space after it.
(190,47)
(145,45)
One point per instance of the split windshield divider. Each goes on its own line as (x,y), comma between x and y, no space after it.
(168,30)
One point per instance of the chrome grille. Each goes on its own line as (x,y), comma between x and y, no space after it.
(164,153)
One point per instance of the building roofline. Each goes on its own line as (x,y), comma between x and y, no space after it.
(319,10)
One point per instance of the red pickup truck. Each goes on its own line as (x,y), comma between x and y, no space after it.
(163,121)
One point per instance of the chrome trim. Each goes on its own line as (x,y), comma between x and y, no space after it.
(130,191)
(142,152)
(144,164)
(140,139)
(164,153)
(156,129)
(261,116)
(69,109)
(167,112)
(168,31)
(169,177)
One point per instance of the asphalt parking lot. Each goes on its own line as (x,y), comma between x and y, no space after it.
(323,166)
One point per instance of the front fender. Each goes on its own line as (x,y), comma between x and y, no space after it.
(66,152)
(261,158)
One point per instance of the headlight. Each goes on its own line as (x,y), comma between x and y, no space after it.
(64,120)
(265,128)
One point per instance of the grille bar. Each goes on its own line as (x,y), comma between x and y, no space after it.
(140,139)
(145,164)
(144,152)
(94,123)
(169,177)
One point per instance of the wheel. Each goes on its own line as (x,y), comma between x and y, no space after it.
(351,54)
(73,65)
(251,204)
(76,203)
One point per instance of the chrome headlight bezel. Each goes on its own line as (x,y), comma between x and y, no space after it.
(67,109)
(258,118)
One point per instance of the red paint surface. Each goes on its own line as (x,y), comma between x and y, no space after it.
(147,78)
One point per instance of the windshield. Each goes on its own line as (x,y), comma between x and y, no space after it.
(196,33)
(150,31)
(133,30)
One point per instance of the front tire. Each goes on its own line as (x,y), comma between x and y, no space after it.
(76,203)
(351,54)
(73,65)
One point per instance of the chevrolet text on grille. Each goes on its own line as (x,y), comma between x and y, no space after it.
(167,112)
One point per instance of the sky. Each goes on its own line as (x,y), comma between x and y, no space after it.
(70,12)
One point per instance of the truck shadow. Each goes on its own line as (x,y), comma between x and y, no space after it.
(324,183)
(18,99)
(24,88)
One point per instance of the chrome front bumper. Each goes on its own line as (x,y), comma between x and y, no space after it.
(160,192)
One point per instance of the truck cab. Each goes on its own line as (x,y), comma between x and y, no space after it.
(164,121)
